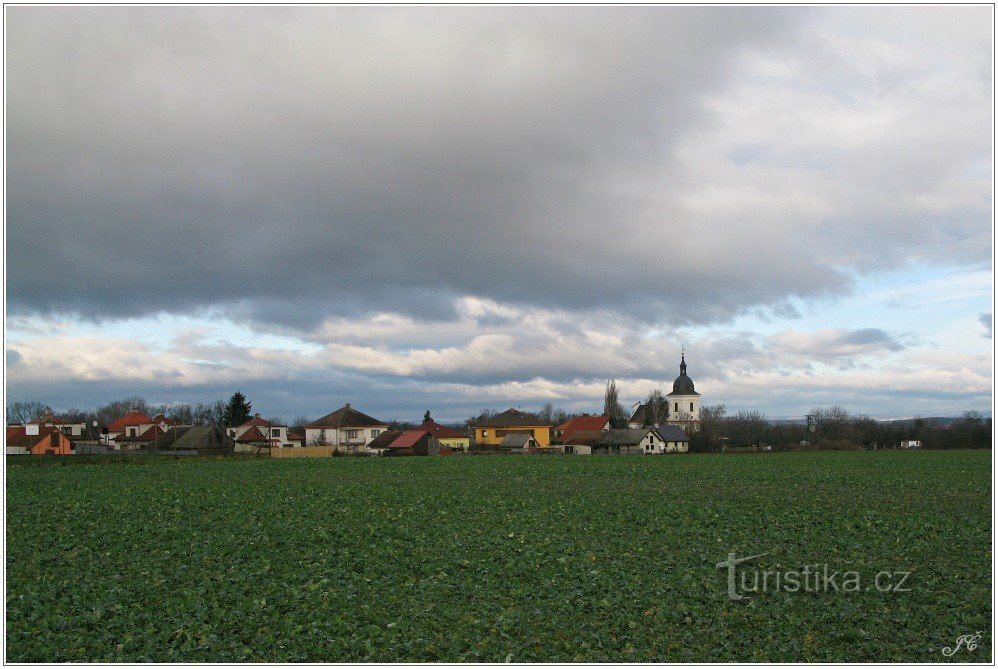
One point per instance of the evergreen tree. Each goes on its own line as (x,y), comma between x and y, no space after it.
(426,416)
(237,411)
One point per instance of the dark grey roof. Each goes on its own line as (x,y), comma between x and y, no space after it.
(511,417)
(628,437)
(683,385)
(516,440)
(346,416)
(671,433)
(196,438)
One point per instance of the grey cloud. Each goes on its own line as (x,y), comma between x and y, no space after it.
(281,165)
(986,321)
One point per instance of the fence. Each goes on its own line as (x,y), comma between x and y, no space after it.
(303,452)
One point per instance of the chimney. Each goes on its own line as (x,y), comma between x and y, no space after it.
(348,405)
(256,416)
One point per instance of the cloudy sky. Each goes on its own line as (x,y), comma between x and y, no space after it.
(470,208)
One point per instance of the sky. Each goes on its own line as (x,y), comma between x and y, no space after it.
(468,208)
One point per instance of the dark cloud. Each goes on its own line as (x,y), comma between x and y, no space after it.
(280,165)
(986,321)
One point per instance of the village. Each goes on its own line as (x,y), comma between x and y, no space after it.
(659,426)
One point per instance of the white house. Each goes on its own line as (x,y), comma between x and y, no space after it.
(275,435)
(345,428)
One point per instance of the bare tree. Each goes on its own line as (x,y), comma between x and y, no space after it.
(612,408)
(656,408)
(22,412)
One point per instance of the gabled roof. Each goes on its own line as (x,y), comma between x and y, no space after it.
(442,431)
(626,437)
(18,437)
(409,438)
(516,440)
(251,435)
(160,418)
(130,419)
(384,439)
(512,417)
(584,437)
(294,436)
(671,433)
(346,417)
(581,424)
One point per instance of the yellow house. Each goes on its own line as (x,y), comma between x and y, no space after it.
(491,431)
(447,436)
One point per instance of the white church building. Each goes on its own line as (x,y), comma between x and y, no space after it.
(683,405)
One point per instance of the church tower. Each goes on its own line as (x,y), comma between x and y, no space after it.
(684,401)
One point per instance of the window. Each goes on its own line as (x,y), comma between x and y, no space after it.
(691,407)
(275,432)
(54,439)
(569,448)
(66,430)
(677,407)
(131,432)
(352,434)
(375,433)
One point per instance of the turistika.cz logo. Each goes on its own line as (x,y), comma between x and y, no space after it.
(811,578)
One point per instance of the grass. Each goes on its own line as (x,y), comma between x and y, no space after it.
(495,558)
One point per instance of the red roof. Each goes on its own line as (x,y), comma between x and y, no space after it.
(129,419)
(294,436)
(160,418)
(581,424)
(252,434)
(18,436)
(441,431)
(409,438)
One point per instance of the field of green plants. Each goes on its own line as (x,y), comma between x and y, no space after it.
(496,558)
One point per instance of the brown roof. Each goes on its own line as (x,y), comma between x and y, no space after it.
(294,436)
(17,436)
(410,438)
(346,417)
(442,431)
(584,437)
(251,435)
(384,439)
(511,417)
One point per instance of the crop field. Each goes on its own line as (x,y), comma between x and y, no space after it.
(499,559)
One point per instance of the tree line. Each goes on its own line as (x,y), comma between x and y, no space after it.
(833,428)
(234,411)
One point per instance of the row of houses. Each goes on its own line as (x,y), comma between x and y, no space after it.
(350,431)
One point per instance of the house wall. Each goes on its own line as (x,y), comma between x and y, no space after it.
(493,436)
(462,443)
(340,437)
(55,443)
(680,412)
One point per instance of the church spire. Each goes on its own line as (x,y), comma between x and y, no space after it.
(682,363)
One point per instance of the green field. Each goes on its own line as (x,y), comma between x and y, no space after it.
(496,558)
